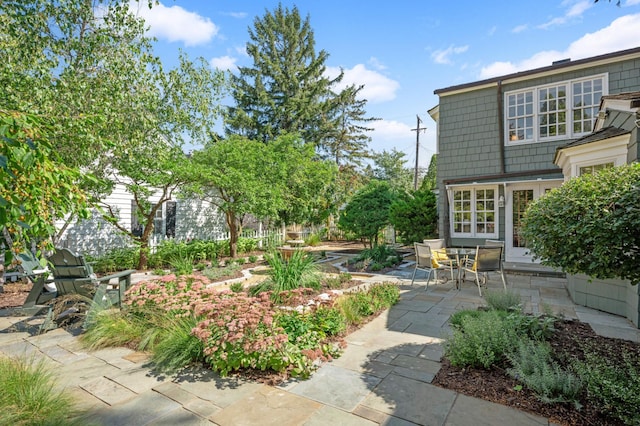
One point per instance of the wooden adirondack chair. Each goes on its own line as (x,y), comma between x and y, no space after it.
(33,270)
(72,274)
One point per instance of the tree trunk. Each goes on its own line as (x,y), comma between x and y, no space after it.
(233,234)
(1,268)
(144,255)
(144,246)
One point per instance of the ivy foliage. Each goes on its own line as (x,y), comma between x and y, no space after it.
(590,225)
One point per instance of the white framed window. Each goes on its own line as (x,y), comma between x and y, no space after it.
(552,111)
(566,109)
(594,168)
(474,212)
(520,116)
(158,221)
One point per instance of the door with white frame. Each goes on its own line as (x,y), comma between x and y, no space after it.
(519,195)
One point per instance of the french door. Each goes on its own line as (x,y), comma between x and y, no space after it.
(519,196)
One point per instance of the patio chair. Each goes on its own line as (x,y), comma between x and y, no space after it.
(73,275)
(42,289)
(425,261)
(440,254)
(487,259)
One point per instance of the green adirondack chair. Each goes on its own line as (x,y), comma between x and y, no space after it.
(73,275)
(33,270)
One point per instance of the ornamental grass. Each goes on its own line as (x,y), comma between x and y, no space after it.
(181,321)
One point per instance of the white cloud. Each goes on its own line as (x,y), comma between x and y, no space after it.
(374,62)
(224,63)
(631,3)
(390,129)
(377,87)
(444,56)
(176,24)
(520,28)
(619,35)
(575,10)
(237,15)
(579,8)
(492,30)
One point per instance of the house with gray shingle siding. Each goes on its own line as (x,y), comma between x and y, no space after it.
(505,141)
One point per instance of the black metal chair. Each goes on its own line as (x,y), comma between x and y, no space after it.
(487,259)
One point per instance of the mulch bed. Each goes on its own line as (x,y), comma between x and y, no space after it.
(497,386)
(15,293)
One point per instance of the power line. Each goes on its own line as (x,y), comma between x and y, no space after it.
(417,130)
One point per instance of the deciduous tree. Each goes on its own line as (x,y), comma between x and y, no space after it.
(590,225)
(239,176)
(89,68)
(35,187)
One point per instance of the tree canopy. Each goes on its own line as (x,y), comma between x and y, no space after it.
(286,90)
(368,211)
(282,180)
(414,215)
(390,166)
(88,68)
(590,225)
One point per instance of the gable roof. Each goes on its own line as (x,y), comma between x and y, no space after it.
(602,134)
(627,96)
(555,67)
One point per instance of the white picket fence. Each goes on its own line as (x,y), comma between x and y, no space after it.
(266,237)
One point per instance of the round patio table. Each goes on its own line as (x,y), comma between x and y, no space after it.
(461,255)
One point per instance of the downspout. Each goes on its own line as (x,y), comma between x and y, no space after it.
(501,125)
(502,219)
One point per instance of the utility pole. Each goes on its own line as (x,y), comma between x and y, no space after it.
(417,130)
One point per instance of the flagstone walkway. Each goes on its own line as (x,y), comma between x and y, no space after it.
(383,377)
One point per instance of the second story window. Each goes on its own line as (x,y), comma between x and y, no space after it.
(552,110)
(586,101)
(560,111)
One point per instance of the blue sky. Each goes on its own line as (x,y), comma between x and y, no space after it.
(403,50)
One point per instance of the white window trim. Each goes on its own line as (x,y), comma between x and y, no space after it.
(613,150)
(473,189)
(569,111)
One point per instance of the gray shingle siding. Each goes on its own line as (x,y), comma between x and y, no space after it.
(470,138)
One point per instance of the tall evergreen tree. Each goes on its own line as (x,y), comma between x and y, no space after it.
(430,180)
(286,90)
(346,140)
(390,166)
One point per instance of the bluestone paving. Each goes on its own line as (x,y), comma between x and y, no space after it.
(332,416)
(182,417)
(411,400)
(201,407)
(107,390)
(472,411)
(337,387)
(383,376)
(142,410)
(267,406)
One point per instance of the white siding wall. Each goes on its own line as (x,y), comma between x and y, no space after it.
(95,236)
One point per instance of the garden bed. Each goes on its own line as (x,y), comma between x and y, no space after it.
(568,342)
